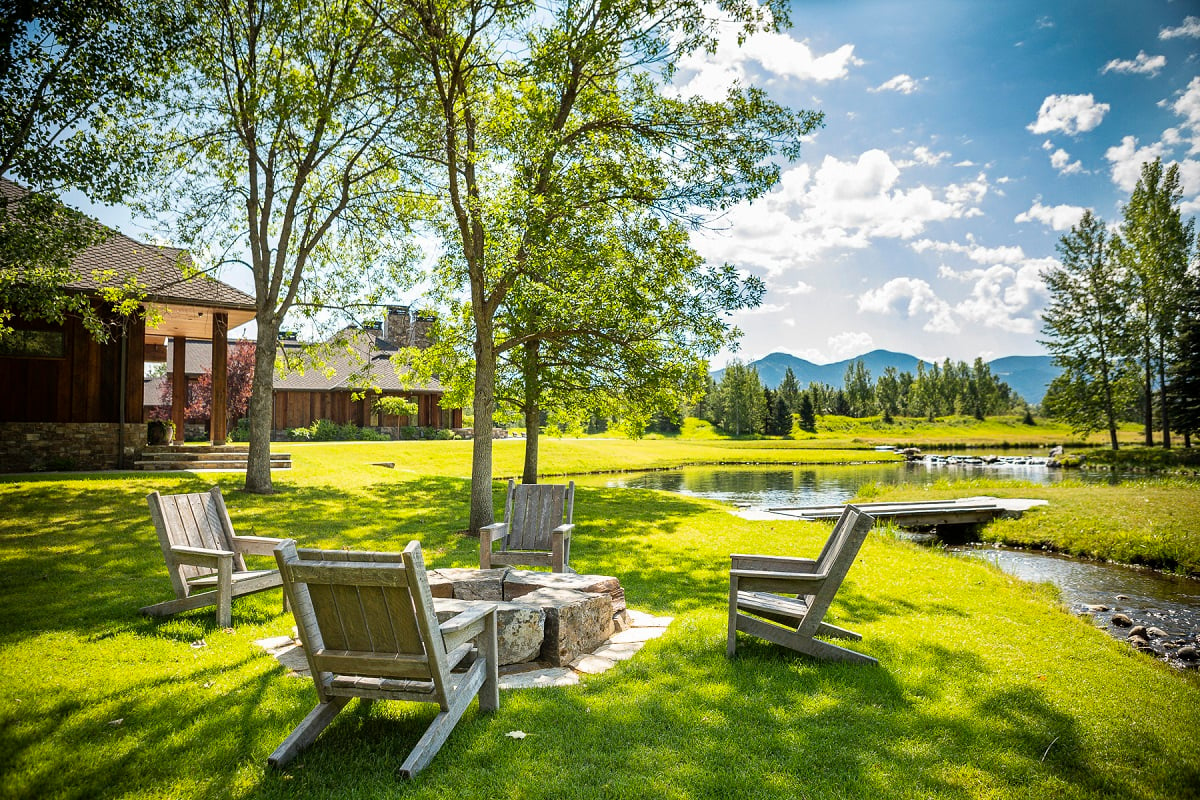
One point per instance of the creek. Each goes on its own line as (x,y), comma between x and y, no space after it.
(1110,593)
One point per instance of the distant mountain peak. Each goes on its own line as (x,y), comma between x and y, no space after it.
(1027,375)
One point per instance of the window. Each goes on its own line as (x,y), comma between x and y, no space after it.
(34,344)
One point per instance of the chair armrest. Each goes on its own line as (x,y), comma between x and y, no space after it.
(493,532)
(760,580)
(773,563)
(563,530)
(465,625)
(255,545)
(199,556)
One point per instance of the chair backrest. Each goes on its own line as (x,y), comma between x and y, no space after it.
(192,520)
(532,510)
(839,553)
(366,614)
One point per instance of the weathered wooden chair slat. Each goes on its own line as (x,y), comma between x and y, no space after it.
(788,597)
(536,530)
(369,630)
(203,552)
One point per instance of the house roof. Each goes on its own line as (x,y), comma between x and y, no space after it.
(165,273)
(364,360)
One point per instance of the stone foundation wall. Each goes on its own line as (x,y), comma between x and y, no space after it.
(40,446)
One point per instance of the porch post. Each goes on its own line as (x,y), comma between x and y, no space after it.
(219,423)
(178,384)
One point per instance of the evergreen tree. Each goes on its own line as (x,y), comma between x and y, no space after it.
(808,419)
(789,391)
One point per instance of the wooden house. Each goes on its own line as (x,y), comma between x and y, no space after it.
(354,372)
(68,401)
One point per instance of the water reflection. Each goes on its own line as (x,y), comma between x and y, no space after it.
(765,487)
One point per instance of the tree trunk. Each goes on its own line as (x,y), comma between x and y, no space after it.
(485,409)
(533,414)
(1162,398)
(258,467)
(1148,396)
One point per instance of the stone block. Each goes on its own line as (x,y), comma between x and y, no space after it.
(520,582)
(440,586)
(520,628)
(475,584)
(576,622)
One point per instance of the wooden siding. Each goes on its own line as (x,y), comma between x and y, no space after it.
(84,386)
(300,409)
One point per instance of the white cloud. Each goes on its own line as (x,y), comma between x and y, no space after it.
(972,250)
(921,301)
(709,75)
(1190,29)
(837,205)
(1069,113)
(1061,160)
(1127,159)
(1188,104)
(904,84)
(850,343)
(1142,64)
(800,287)
(1002,296)
(1060,218)
(923,155)
(967,163)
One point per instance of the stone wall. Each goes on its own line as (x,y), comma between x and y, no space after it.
(38,446)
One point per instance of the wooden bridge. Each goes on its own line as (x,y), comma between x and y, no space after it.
(924,513)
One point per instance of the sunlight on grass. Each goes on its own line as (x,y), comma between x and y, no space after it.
(986,686)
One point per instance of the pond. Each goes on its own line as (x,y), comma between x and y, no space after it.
(809,485)
(1147,599)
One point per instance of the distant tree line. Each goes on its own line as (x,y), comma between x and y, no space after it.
(739,403)
(1124,316)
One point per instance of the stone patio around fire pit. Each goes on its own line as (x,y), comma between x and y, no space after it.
(552,626)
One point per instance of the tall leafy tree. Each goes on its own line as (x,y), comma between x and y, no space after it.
(289,157)
(1085,328)
(742,399)
(549,110)
(859,389)
(1154,247)
(790,391)
(76,80)
(887,393)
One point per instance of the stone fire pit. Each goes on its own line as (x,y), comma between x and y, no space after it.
(552,626)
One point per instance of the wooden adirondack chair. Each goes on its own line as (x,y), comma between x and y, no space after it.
(369,630)
(789,596)
(203,552)
(536,530)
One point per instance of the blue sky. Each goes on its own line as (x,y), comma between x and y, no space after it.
(961,140)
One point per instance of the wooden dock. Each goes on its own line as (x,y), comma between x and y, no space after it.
(925,513)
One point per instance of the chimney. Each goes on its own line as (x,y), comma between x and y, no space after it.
(421,324)
(397,326)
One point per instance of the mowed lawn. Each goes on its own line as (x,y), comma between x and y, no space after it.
(986,687)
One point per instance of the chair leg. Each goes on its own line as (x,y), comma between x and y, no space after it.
(825,629)
(439,730)
(489,692)
(307,731)
(225,593)
(731,642)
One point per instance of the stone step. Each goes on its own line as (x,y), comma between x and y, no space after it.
(197,448)
(185,455)
(207,465)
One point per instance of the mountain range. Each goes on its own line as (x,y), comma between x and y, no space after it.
(1027,375)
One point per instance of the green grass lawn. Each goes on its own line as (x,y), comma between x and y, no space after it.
(986,687)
